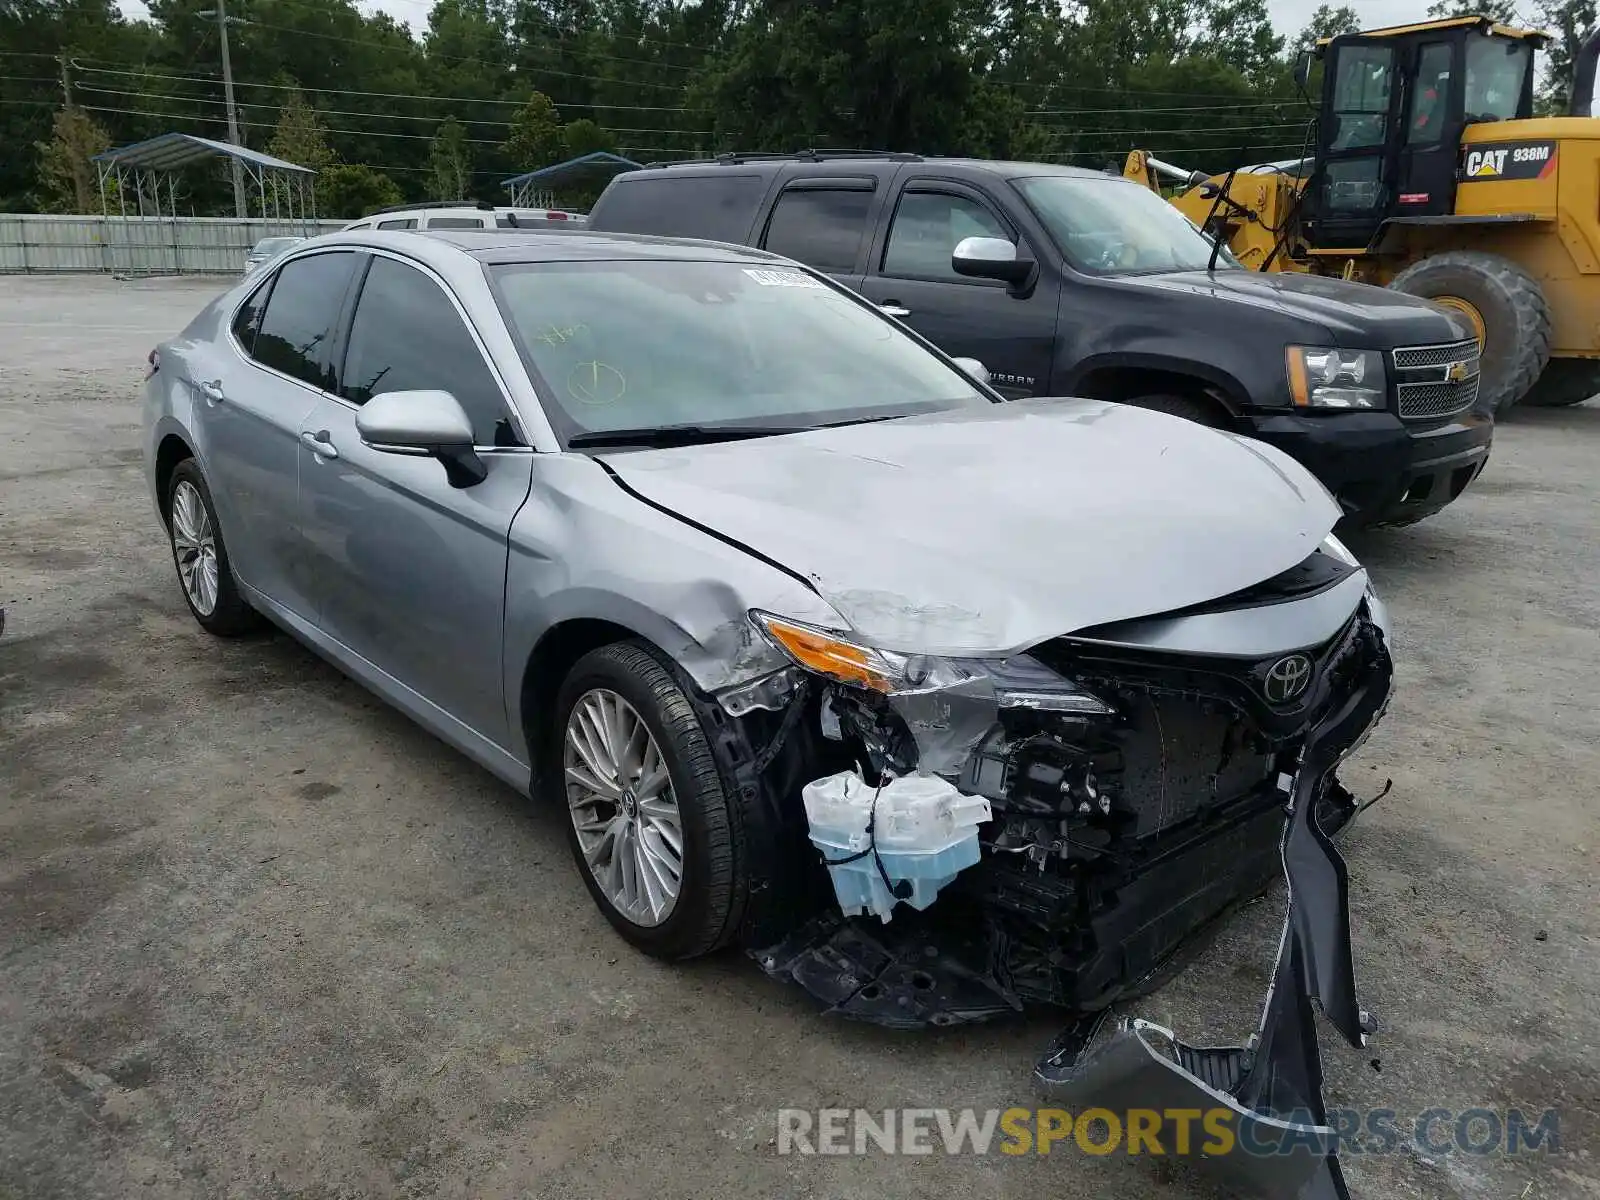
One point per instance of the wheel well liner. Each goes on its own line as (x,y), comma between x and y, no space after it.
(556,652)
(172,451)
(1125,381)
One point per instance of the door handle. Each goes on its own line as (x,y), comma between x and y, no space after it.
(319,443)
(894,308)
(211,389)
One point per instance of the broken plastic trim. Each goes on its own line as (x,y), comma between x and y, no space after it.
(1273,1084)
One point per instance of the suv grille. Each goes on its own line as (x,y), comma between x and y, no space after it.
(1436,381)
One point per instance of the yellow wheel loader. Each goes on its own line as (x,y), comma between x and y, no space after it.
(1426,171)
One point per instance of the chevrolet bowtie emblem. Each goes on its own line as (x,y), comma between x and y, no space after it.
(1457,373)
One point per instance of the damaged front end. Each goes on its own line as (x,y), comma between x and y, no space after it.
(1137,791)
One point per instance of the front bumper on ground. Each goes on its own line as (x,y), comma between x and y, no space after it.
(1271,1086)
(1380,469)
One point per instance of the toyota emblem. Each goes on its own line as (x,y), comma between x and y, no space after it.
(1287,679)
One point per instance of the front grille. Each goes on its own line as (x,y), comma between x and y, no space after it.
(1436,381)
(1418,400)
(1407,357)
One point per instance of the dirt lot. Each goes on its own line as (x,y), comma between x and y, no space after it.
(261,936)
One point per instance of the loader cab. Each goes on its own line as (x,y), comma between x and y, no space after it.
(1393,107)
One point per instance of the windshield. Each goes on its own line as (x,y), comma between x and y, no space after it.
(649,344)
(275,245)
(1496,69)
(1110,226)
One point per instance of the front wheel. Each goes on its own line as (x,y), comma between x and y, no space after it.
(655,835)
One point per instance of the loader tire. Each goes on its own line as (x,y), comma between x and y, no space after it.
(1505,305)
(1565,381)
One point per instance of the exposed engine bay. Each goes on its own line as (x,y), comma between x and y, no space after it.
(1138,796)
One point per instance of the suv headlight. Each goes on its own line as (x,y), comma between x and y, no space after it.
(1327,377)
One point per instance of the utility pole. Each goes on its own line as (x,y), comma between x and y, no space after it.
(80,164)
(233,113)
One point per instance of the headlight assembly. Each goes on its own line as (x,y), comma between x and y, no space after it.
(1327,377)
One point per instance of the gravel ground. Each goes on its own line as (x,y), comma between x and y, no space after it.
(261,936)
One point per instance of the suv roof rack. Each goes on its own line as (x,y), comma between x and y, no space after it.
(819,154)
(481,205)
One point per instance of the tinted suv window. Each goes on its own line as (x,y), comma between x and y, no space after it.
(400,223)
(927,226)
(300,316)
(821,227)
(455,222)
(407,335)
(247,321)
(720,206)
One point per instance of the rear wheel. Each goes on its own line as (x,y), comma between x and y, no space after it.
(1565,381)
(1504,306)
(201,557)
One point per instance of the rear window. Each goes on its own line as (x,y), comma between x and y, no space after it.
(455,222)
(821,227)
(720,207)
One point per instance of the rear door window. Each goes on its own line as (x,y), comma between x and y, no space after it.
(247,321)
(455,223)
(822,227)
(301,314)
(399,223)
(720,206)
(407,335)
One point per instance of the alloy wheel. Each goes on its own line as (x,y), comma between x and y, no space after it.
(622,806)
(194,547)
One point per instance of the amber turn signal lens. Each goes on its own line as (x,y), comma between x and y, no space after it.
(826,655)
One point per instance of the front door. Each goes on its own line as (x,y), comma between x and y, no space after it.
(1354,184)
(911,278)
(1426,176)
(411,571)
(252,406)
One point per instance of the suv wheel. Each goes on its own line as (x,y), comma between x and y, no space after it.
(201,556)
(1201,412)
(654,834)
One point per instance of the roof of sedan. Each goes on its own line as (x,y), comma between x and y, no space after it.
(506,246)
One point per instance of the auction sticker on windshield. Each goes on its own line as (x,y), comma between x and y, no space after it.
(770,278)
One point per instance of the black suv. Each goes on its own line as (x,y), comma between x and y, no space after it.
(1075,283)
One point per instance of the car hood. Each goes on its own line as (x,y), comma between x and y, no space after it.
(987,530)
(1355,315)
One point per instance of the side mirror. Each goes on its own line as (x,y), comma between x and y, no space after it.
(1302,69)
(991,258)
(426,424)
(973,368)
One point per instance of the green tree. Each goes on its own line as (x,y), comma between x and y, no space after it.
(584,136)
(1328,22)
(1499,10)
(535,139)
(450,161)
(300,136)
(1572,21)
(348,191)
(66,176)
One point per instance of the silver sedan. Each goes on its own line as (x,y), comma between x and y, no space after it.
(669,532)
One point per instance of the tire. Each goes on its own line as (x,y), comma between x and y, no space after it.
(1187,407)
(713,887)
(1565,381)
(228,614)
(1512,316)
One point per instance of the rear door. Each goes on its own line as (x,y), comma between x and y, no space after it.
(910,277)
(410,571)
(824,221)
(253,403)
